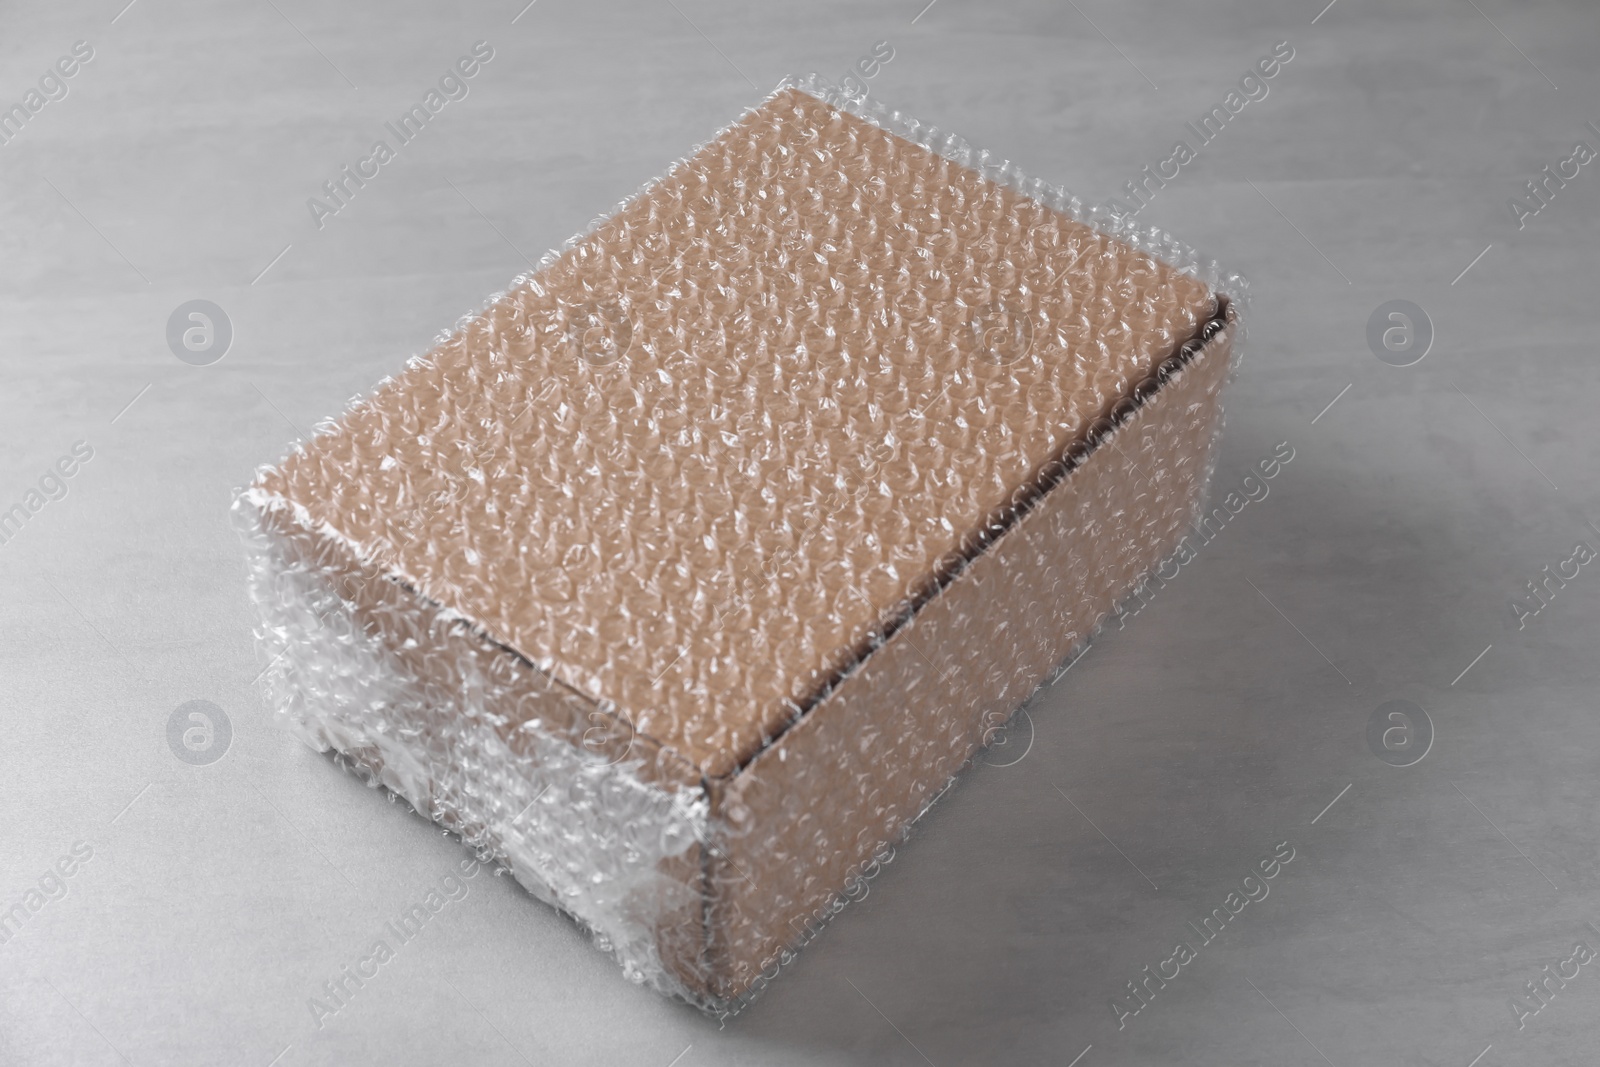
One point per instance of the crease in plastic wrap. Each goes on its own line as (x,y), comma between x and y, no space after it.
(689,572)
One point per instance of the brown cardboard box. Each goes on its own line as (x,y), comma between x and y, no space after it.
(734,528)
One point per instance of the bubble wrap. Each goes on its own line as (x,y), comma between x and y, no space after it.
(686,574)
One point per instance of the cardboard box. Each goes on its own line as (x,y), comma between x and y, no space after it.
(686,575)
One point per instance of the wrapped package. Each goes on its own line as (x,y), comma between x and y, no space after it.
(684,576)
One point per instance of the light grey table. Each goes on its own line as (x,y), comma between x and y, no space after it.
(1223,719)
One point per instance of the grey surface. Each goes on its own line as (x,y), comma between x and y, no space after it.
(1222,720)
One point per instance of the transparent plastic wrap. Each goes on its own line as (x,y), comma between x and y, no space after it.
(686,575)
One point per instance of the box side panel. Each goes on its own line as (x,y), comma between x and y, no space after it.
(605,825)
(804,818)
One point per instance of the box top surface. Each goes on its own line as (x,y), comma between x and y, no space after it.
(692,465)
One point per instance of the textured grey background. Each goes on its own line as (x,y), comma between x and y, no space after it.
(1221,721)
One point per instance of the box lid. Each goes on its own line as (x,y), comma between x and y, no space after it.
(695,463)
